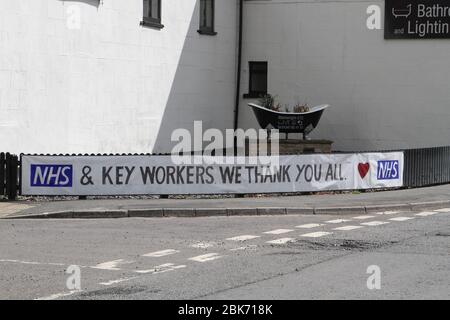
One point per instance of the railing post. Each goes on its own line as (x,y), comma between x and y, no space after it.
(11,176)
(2,174)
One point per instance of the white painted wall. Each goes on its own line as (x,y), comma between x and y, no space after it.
(112,86)
(384,94)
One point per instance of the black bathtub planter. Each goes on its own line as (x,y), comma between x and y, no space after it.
(289,122)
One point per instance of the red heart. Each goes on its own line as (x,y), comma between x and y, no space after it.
(363,169)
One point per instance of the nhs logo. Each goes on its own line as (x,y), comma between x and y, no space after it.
(388,170)
(43,175)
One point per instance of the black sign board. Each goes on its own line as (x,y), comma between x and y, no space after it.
(417,19)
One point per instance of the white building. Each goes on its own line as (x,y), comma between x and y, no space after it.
(86,76)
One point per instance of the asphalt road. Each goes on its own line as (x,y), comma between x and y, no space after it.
(229,257)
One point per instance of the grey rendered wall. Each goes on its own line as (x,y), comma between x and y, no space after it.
(384,94)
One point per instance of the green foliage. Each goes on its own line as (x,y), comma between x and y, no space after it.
(268,101)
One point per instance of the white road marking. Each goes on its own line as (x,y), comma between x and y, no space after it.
(162,268)
(348,228)
(388,212)
(363,217)
(203,245)
(316,234)
(337,221)
(426,214)
(374,223)
(206,257)
(112,265)
(249,247)
(281,241)
(243,238)
(33,263)
(161,253)
(401,219)
(59,295)
(110,283)
(443,210)
(309,226)
(279,231)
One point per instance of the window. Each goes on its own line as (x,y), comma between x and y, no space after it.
(207,17)
(152,14)
(257,80)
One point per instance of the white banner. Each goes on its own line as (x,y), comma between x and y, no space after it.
(147,175)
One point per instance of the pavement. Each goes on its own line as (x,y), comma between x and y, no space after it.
(361,203)
(384,255)
(11,208)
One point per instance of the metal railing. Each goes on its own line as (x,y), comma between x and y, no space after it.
(9,175)
(426,167)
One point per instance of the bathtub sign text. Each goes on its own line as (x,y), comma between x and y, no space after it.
(425,19)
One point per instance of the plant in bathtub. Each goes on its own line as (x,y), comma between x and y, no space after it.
(268,101)
(301,108)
